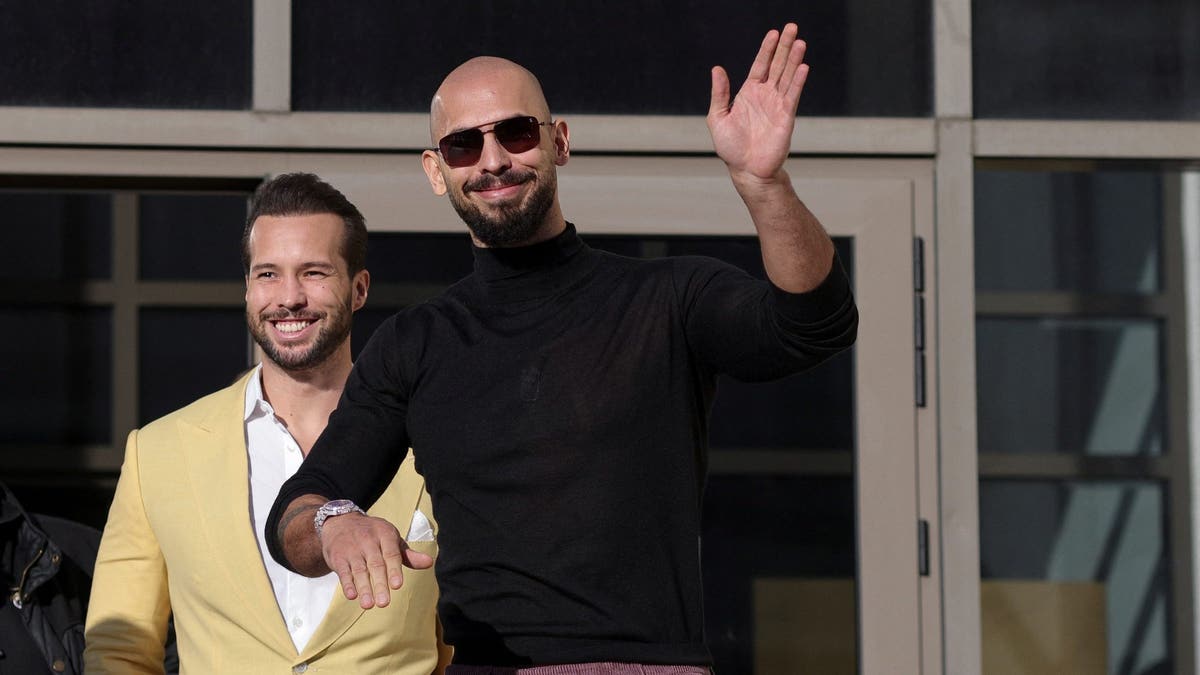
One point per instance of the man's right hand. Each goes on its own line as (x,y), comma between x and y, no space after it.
(368,554)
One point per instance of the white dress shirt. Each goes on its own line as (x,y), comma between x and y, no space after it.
(274,457)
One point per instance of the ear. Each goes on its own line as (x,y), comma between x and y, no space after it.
(433,170)
(562,143)
(362,282)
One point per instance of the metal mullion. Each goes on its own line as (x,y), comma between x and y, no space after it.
(370,133)
(402,294)
(272,60)
(1062,466)
(221,294)
(1088,139)
(1178,458)
(45,459)
(958,488)
(952,62)
(124,316)
(88,292)
(1072,304)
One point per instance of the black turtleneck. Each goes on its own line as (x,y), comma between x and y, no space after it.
(557,400)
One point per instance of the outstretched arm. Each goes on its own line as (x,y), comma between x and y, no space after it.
(752,134)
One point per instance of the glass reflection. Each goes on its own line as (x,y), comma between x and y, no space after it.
(1088,231)
(1077,386)
(1109,537)
(1101,59)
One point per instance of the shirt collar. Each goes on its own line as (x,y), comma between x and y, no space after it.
(256,405)
(497,264)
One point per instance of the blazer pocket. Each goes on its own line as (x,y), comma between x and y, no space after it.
(426,547)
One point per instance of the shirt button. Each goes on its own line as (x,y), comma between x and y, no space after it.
(300,668)
(297,622)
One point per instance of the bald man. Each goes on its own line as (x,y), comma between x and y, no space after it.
(557,398)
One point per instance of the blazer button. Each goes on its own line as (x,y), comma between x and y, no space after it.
(59,665)
(300,668)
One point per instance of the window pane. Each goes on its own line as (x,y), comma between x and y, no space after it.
(869,58)
(1089,387)
(1091,231)
(784,538)
(186,354)
(66,496)
(56,236)
(191,236)
(57,375)
(1102,59)
(397,257)
(126,53)
(1058,556)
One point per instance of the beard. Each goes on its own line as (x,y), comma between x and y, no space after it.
(509,224)
(330,337)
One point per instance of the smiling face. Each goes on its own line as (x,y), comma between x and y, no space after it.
(506,198)
(299,293)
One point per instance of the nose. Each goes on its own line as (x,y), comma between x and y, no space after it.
(493,158)
(291,294)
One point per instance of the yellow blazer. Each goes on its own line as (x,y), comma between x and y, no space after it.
(179,538)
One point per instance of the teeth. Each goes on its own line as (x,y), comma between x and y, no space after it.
(291,326)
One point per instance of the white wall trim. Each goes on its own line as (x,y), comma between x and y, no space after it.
(410,131)
(1101,140)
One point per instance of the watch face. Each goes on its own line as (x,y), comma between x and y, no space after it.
(338,504)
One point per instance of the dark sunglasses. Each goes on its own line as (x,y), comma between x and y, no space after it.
(516,134)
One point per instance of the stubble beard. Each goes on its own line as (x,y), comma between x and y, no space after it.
(510,224)
(330,337)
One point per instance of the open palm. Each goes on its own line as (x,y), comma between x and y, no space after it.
(754,133)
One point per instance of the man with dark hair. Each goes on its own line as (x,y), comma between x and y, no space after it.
(184,533)
(557,399)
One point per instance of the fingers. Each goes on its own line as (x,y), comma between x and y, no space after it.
(720,92)
(797,85)
(795,58)
(781,54)
(361,571)
(393,560)
(367,554)
(762,63)
(346,579)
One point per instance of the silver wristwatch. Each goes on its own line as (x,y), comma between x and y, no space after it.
(337,507)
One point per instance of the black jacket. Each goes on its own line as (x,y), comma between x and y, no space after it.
(46,568)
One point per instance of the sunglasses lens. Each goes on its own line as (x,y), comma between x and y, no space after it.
(462,148)
(519,134)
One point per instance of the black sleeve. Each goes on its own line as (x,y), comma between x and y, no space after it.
(361,448)
(753,330)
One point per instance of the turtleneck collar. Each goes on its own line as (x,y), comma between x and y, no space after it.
(537,270)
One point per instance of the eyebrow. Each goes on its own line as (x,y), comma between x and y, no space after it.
(304,265)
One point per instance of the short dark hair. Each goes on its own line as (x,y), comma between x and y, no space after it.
(303,194)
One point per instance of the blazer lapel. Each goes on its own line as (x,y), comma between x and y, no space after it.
(217,461)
